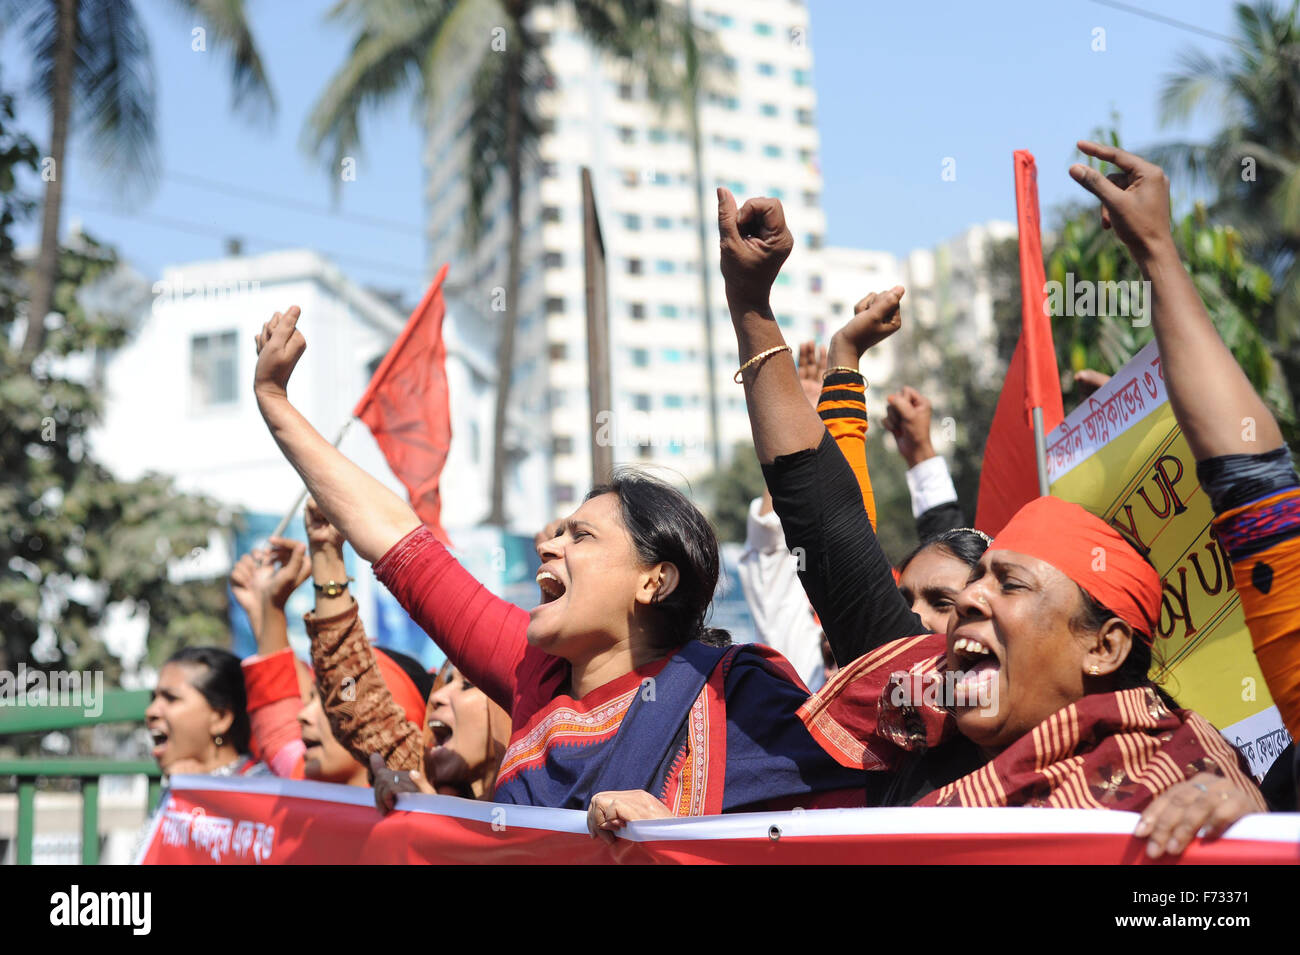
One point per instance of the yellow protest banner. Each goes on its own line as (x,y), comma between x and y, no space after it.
(1122,456)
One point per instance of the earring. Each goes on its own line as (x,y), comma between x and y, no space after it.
(1095,670)
(218,740)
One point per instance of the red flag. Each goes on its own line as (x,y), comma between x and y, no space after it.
(1009,475)
(406,408)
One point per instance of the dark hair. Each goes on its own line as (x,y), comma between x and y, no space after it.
(221,682)
(1135,671)
(412,667)
(963,543)
(665,526)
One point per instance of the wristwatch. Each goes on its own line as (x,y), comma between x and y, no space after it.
(333,588)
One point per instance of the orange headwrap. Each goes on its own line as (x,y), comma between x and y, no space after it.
(1092,554)
(403,688)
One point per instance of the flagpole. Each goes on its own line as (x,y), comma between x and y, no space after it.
(1040,452)
(302,496)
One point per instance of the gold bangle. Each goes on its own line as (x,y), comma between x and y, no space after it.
(851,371)
(758,358)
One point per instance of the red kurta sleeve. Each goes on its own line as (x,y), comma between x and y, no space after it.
(481,634)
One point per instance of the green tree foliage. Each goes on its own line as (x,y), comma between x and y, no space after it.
(1238,294)
(74,540)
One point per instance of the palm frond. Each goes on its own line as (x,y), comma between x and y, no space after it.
(113,89)
(226,22)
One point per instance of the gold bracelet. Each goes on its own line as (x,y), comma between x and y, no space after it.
(758,358)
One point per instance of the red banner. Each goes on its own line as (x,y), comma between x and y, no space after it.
(203,820)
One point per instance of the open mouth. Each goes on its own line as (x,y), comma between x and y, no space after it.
(975,662)
(441,732)
(159,742)
(552,587)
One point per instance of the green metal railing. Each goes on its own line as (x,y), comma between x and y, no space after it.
(119,706)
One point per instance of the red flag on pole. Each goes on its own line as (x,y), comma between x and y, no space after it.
(1009,474)
(406,407)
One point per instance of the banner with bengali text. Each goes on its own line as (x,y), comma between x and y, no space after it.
(204,820)
(1122,455)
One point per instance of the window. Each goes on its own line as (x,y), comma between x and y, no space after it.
(626,134)
(625,91)
(558,351)
(763,29)
(564,494)
(671,356)
(214,369)
(815,283)
(769,109)
(811,198)
(554,260)
(630,178)
(550,170)
(772,151)
(663,222)
(640,357)
(632,222)
(665,267)
(636,310)
(776,192)
(814,240)
(785,321)
(806,156)
(803,117)
(641,402)
(667,311)
(554,305)
(634,267)
(658,135)
(766,69)
(673,401)
(550,213)
(562,444)
(800,77)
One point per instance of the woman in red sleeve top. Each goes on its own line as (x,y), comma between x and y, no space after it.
(614,686)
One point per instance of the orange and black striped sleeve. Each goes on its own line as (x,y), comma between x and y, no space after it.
(843,409)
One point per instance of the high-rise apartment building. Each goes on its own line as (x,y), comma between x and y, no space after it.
(759,137)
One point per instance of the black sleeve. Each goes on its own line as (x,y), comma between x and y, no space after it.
(942,517)
(846,575)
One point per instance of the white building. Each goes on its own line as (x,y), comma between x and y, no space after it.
(179,401)
(759,138)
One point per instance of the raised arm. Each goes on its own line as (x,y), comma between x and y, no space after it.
(1212,398)
(1242,462)
(368,514)
(814,491)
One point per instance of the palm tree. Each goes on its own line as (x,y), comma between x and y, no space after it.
(91,66)
(1254,159)
(407,48)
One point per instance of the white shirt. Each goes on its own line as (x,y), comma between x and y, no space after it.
(783,618)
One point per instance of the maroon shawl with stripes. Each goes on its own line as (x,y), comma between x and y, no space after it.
(1106,751)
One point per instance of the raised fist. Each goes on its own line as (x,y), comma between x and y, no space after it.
(279,346)
(755,244)
(1134,201)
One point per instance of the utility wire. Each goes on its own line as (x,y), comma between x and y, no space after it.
(196,228)
(298,205)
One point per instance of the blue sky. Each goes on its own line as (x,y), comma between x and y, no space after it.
(901,87)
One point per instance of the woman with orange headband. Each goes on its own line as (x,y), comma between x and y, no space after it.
(1038,694)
